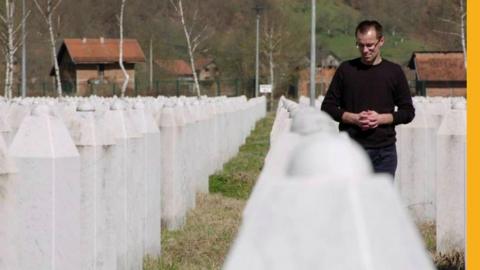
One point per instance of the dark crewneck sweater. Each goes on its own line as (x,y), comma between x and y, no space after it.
(357,87)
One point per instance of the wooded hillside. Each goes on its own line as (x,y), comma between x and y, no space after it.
(230,33)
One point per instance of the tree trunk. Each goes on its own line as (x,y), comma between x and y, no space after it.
(270,58)
(54,56)
(11,52)
(24,52)
(272,65)
(9,46)
(462,29)
(194,71)
(120,58)
(190,50)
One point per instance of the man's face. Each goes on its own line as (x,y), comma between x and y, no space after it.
(369,46)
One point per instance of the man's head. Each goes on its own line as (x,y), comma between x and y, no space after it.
(369,40)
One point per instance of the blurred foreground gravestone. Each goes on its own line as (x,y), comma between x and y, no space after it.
(321,207)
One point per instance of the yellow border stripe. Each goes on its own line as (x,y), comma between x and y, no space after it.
(473,136)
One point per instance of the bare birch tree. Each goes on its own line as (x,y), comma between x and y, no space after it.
(193,39)
(47,11)
(120,58)
(10,44)
(463,15)
(460,25)
(273,39)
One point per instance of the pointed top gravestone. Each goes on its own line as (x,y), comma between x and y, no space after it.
(325,154)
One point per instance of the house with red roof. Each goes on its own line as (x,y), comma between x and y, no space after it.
(327,64)
(182,70)
(439,73)
(86,64)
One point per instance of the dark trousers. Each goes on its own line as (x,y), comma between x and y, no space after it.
(384,160)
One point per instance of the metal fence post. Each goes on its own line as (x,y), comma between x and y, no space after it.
(236,88)
(135,85)
(219,91)
(157,87)
(423,90)
(113,89)
(178,87)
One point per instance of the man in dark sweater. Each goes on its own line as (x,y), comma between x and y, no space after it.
(362,98)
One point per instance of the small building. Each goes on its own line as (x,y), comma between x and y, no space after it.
(326,67)
(177,77)
(439,73)
(182,70)
(207,69)
(88,64)
(177,69)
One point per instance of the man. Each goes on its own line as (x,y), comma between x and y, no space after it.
(362,98)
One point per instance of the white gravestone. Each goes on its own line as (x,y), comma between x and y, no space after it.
(126,153)
(416,171)
(97,229)
(329,224)
(8,213)
(152,183)
(48,193)
(172,199)
(451,175)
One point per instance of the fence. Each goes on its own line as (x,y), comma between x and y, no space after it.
(225,87)
(447,88)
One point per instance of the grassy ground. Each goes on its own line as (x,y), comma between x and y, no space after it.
(211,227)
(204,241)
(452,261)
(239,174)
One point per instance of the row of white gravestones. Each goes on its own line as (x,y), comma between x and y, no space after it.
(303,100)
(318,205)
(84,182)
(432,167)
(8,220)
(431,171)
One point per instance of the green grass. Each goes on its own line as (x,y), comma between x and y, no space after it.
(211,227)
(428,232)
(238,176)
(451,261)
(206,238)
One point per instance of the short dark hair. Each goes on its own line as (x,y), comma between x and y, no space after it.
(366,25)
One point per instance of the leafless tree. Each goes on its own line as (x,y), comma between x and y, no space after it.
(47,11)
(120,58)
(462,30)
(273,38)
(460,24)
(10,44)
(194,38)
